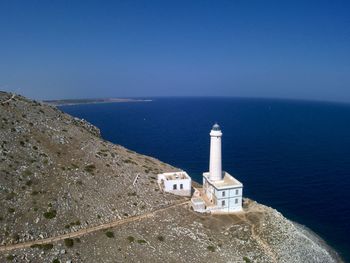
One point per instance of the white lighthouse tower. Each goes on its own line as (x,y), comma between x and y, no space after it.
(221,192)
(215,164)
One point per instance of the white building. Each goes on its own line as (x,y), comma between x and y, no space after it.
(178,183)
(221,192)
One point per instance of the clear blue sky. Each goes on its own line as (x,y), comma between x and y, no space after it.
(86,49)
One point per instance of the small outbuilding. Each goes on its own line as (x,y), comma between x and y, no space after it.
(178,183)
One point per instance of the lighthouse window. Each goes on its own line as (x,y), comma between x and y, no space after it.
(236,191)
(181,186)
(174,187)
(236,201)
(223,193)
(223,203)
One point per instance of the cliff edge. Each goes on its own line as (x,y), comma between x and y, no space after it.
(67,195)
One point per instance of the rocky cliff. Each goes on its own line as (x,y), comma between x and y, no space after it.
(67,195)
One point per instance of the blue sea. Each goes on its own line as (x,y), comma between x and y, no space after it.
(291,155)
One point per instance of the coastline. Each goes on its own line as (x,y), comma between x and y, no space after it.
(259,234)
(309,233)
(72,102)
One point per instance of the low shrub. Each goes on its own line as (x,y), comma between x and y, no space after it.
(50,214)
(109,234)
(42,246)
(90,168)
(29,183)
(10,257)
(69,242)
(247,260)
(35,192)
(130,239)
(47,246)
(211,248)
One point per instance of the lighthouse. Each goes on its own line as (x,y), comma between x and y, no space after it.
(221,192)
(215,164)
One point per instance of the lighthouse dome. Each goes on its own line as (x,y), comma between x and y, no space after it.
(216,127)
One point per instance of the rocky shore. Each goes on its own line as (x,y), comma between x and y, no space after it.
(59,176)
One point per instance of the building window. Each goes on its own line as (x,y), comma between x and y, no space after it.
(223,203)
(223,193)
(236,201)
(236,191)
(181,186)
(174,187)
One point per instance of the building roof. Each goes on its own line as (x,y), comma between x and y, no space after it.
(175,176)
(227,182)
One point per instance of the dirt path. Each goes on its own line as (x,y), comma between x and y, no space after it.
(8,100)
(264,245)
(85,231)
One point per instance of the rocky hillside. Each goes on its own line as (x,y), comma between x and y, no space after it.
(58,176)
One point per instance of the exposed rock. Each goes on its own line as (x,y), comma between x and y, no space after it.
(58,176)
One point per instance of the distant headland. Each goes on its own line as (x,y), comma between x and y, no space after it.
(66,102)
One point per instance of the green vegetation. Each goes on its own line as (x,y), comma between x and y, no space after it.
(74,166)
(109,234)
(141,241)
(35,192)
(29,183)
(76,223)
(11,210)
(130,239)
(10,195)
(10,257)
(50,214)
(47,246)
(42,246)
(27,173)
(160,238)
(130,161)
(56,261)
(211,248)
(247,260)
(69,242)
(90,168)
(15,237)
